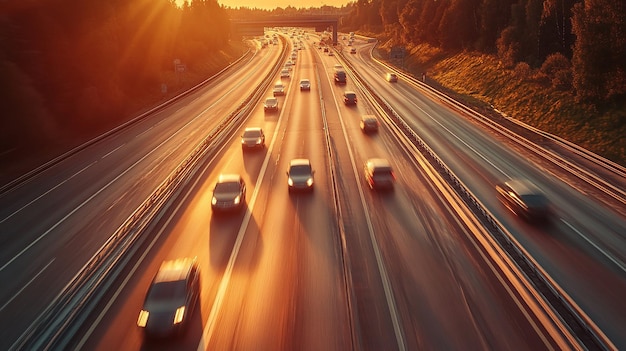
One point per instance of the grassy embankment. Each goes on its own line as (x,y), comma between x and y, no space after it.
(480,80)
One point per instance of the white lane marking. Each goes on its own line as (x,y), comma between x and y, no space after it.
(618,263)
(112,151)
(221,291)
(385,280)
(46,193)
(25,286)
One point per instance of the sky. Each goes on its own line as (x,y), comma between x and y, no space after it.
(272,4)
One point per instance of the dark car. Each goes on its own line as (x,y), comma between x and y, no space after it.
(379,174)
(369,124)
(524,199)
(340,76)
(253,138)
(171,298)
(229,193)
(305,84)
(349,98)
(300,175)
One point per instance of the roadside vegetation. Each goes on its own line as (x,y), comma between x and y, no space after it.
(557,65)
(71,70)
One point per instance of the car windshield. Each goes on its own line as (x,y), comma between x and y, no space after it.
(300,170)
(226,188)
(167,291)
(535,200)
(252,133)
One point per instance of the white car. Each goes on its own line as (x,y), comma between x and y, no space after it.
(285,73)
(279,89)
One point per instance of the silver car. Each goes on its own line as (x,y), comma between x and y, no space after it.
(300,175)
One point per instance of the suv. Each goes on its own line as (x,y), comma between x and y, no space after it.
(252,138)
(369,123)
(349,98)
(524,199)
(379,174)
(171,298)
(300,174)
(340,76)
(229,193)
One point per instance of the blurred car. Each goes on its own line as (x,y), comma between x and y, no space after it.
(229,193)
(290,63)
(349,98)
(391,77)
(330,53)
(270,104)
(353,50)
(325,49)
(305,84)
(369,124)
(379,174)
(524,199)
(300,174)
(340,76)
(171,298)
(279,89)
(338,67)
(253,138)
(285,73)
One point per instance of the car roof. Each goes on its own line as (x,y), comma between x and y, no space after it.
(299,162)
(349,93)
(378,163)
(253,129)
(368,117)
(522,187)
(228,178)
(304,80)
(174,270)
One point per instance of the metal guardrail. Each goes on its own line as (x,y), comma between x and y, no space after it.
(57,326)
(581,327)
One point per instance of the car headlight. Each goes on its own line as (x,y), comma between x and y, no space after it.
(237,199)
(180,314)
(309,182)
(290,181)
(143,318)
(258,141)
(243,141)
(213,200)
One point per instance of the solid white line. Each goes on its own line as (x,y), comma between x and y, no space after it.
(25,286)
(618,263)
(46,193)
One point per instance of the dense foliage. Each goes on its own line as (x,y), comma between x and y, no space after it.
(585,40)
(68,67)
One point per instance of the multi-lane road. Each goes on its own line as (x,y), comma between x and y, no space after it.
(342,267)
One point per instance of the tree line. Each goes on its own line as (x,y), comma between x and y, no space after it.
(579,45)
(68,67)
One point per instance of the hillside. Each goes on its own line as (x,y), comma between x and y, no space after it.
(481,80)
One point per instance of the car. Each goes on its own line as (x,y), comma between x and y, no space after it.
(279,89)
(171,299)
(305,84)
(337,67)
(229,193)
(252,138)
(326,49)
(391,77)
(369,124)
(270,104)
(353,50)
(300,174)
(290,63)
(330,53)
(340,76)
(379,174)
(524,199)
(285,73)
(349,98)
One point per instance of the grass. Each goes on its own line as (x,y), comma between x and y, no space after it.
(481,80)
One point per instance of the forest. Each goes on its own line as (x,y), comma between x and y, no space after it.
(77,67)
(579,45)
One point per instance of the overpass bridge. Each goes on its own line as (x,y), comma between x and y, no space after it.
(256,27)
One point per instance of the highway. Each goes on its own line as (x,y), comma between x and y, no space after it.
(342,267)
